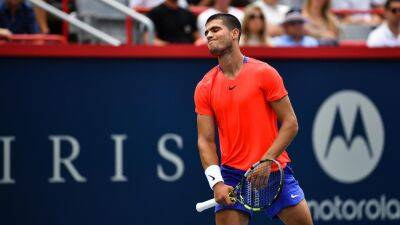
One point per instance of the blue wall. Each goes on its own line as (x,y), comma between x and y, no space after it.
(147,101)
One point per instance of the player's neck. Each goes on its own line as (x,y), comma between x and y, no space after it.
(231,62)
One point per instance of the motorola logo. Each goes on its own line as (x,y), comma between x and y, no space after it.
(348,136)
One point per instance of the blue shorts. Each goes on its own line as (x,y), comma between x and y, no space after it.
(291,193)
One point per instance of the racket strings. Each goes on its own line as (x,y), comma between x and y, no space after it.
(261,192)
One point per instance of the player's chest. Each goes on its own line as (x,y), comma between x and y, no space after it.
(229,95)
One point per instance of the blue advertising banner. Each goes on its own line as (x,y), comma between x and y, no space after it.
(113,141)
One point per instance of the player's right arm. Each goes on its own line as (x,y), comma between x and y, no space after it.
(206,139)
(208,155)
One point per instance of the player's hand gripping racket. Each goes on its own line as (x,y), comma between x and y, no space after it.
(259,187)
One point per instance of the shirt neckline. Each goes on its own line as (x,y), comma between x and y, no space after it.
(245,61)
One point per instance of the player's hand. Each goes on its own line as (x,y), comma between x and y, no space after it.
(221,193)
(260,176)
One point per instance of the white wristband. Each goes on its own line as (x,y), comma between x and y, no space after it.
(213,174)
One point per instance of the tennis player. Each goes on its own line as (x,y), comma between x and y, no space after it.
(244,98)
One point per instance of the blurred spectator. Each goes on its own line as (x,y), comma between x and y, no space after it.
(293,3)
(41,19)
(295,33)
(220,6)
(17,17)
(275,14)
(173,24)
(363,19)
(388,33)
(5,34)
(234,3)
(254,29)
(200,2)
(321,23)
(153,3)
(40,14)
(240,3)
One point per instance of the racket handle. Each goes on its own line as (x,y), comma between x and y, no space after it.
(201,206)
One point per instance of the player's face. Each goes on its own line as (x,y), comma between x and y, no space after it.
(218,37)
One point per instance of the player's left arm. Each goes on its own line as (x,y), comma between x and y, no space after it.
(288,129)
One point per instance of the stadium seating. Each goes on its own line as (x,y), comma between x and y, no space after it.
(354,32)
(102,17)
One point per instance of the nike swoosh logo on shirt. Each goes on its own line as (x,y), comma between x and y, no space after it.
(232,87)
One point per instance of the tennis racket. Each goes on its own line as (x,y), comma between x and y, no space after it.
(258,189)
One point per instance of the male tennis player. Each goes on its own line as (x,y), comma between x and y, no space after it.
(244,98)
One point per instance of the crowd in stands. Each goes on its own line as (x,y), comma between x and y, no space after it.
(273,23)
(16,17)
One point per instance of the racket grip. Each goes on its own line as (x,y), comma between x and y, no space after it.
(201,206)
